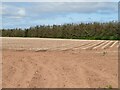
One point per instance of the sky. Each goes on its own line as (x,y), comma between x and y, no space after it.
(27,14)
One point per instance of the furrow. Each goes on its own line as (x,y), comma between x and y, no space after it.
(107,45)
(100,45)
(92,46)
(114,44)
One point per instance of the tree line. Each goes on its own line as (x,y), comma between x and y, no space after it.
(97,31)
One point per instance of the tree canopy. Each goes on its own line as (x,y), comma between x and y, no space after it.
(97,31)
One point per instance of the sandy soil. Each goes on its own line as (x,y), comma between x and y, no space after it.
(52,63)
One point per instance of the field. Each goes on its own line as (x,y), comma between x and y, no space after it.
(59,63)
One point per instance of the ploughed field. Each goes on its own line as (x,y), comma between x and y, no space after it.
(59,63)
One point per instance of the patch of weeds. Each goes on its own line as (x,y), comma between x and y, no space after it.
(109,86)
(104,53)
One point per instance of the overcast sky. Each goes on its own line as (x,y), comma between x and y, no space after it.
(26,14)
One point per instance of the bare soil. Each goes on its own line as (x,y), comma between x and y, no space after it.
(56,63)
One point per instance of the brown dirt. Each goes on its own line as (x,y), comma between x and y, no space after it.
(59,63)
